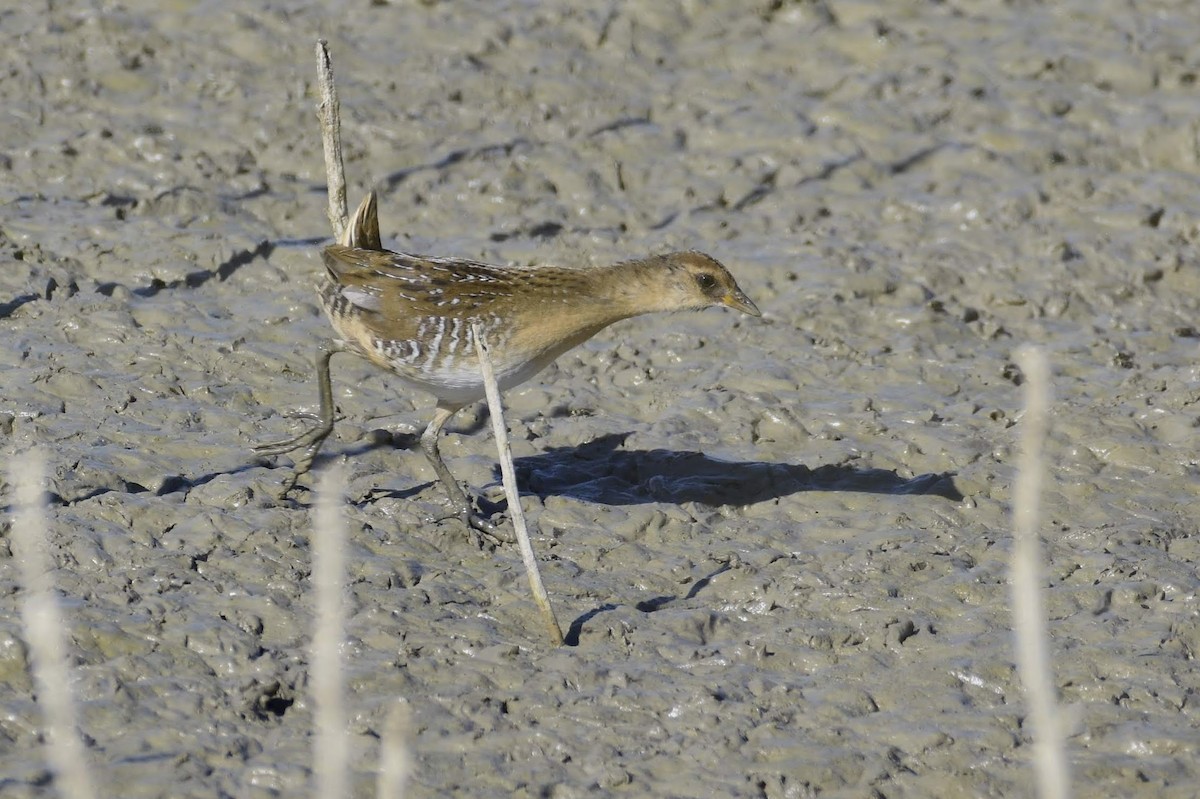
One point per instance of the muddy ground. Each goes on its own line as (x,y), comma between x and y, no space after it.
(780,545)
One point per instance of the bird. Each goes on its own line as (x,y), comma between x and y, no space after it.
(413,315)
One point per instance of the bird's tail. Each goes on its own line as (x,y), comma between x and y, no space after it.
(362,231)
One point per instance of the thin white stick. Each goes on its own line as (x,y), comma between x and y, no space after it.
(1029,616)
(44,630)
(331,754)
(508,473)
(329,112)
(395,753)
(331,744)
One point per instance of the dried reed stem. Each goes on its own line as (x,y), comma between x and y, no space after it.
(395,753)
(331,755)
(508,473)
(45,631)
(329,113)
(1029,616)
(331,744)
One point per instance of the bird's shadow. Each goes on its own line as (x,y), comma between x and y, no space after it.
(601,472)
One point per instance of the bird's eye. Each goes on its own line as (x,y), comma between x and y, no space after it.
(706,282)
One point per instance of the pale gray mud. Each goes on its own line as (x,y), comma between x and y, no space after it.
(781,545)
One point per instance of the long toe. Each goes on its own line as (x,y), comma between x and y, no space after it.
(307,416)
(309,438)
(486,527)
(287,485)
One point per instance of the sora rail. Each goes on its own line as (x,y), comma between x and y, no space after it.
(412,314)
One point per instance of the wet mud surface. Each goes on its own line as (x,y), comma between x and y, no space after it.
(780,544)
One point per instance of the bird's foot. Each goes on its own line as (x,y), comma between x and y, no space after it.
(314,435)
(480,527)
(309,442)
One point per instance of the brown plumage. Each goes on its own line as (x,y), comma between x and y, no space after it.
(413,315)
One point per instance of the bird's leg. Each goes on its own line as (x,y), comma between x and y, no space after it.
(458,498)
(310,440)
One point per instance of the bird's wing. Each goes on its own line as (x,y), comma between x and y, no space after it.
(397,284)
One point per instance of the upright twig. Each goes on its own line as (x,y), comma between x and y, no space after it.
(331,745)
(44,630)
(331,137)
(1029,616)
(508,474)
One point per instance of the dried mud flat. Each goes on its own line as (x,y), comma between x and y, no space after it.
(781,544)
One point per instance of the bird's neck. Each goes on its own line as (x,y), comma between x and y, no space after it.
(630,289)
